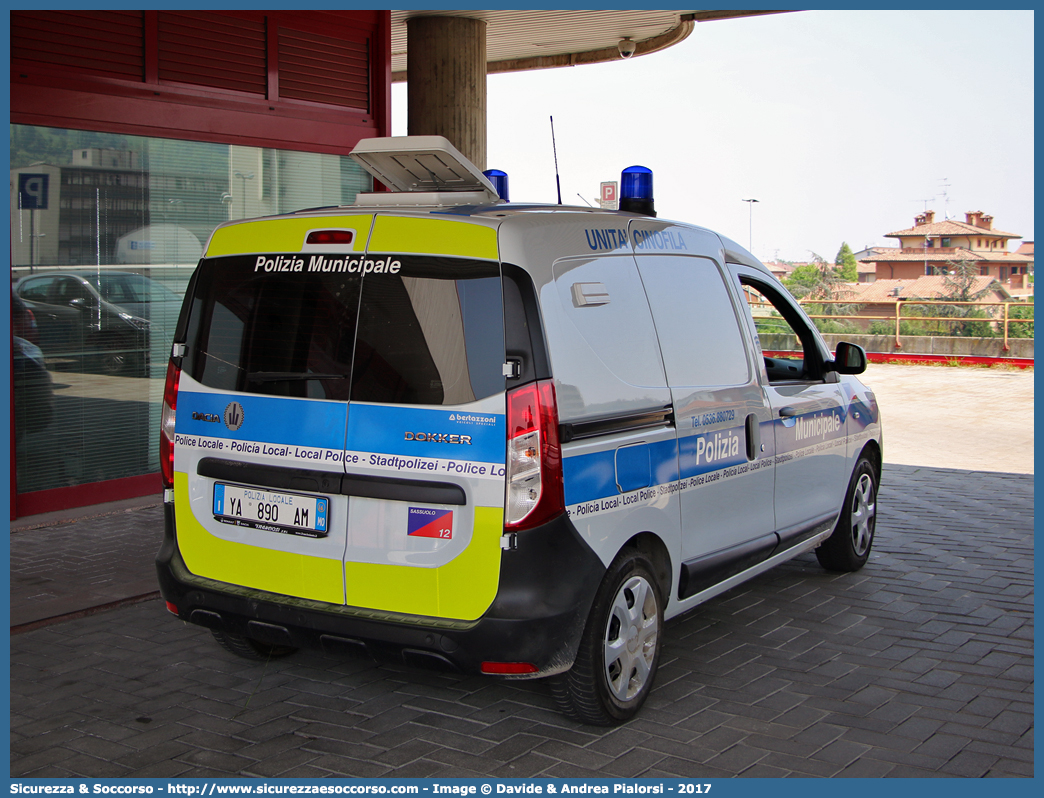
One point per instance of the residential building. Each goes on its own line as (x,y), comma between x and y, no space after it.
(867,272)
(872,252)
(1026,291)
(931,247)
(866,261)
(781,269)
(878,299)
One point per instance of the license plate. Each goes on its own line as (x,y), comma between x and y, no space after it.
(272,511)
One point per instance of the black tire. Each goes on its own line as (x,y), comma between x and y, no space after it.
(247,648)
(620,648)
(848,548)
(115,355)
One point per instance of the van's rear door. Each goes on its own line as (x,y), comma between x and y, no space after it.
(425,450)
(340,435)
(263,409)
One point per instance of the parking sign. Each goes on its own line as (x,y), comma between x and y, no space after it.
(32,191)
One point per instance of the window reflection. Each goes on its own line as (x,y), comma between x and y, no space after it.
(106,231)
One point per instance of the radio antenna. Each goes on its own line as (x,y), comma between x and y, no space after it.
(554,149)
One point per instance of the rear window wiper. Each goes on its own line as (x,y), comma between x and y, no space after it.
(289,376)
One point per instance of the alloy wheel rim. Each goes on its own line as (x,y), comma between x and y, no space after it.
(629,645)
(114,363)
(864,515)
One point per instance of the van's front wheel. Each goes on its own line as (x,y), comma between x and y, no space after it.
(848,548)
(620,648)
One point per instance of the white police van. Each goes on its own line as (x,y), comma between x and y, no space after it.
(508,439)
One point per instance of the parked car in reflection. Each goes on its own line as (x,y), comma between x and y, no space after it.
(23,322)
(33,389)
(99,320)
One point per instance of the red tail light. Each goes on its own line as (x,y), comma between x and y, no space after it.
(534,461)
(508,668)
(25,326)
(170,404)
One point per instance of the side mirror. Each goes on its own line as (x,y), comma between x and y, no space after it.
(848,359)
(78,302)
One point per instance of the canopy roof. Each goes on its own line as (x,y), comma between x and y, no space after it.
(520,40)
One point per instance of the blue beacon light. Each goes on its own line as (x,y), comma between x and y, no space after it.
(499,180)
(636,190)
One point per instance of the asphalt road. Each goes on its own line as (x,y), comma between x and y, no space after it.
(977,419)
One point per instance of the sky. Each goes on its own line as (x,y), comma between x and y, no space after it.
(844,125)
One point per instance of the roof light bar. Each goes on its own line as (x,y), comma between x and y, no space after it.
(499,180)
(636,190)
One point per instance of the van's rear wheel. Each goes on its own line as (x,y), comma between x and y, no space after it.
(248,648)
(848,548)
(620,648)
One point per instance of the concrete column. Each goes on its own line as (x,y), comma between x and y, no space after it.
(446,82)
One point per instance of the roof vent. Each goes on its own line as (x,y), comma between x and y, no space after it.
(421,170)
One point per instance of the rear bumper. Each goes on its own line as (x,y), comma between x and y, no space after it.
(547,585)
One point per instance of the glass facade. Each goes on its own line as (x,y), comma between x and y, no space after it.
(106,231)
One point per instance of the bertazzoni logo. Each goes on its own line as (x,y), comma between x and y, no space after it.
(472,418)
(234,416)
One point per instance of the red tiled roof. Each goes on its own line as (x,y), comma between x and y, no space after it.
(924,287)
(779,267)
(951,228)
(958,254)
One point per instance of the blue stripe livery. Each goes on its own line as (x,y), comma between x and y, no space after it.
(266,419)
(594,476)
(808,429)
(712,451)
(862,414)
(603,474)
(633,468)
(422,432)
(412,431)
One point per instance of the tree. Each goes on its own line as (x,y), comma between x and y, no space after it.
(845,264)
(959,286)
(821,280)
(818,280)
(1018,330)
(30,144)
(959,282)
(805,280)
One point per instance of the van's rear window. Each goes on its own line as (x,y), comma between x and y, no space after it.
(432,332)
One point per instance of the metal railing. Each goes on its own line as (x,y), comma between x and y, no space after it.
(1000,318)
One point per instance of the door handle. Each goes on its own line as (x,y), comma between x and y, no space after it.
(753,437)
(787,412)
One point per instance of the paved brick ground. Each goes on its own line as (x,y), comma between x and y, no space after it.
(920,665)
(67,568)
